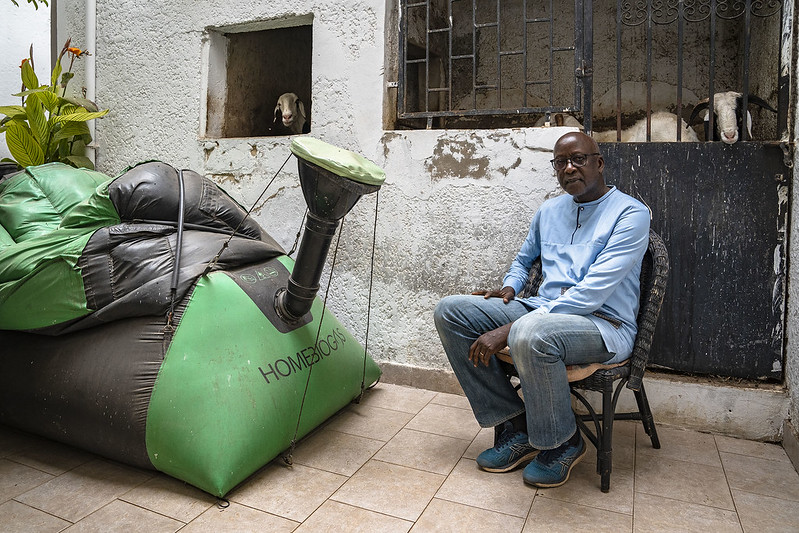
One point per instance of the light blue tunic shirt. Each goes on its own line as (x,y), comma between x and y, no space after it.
(591,256)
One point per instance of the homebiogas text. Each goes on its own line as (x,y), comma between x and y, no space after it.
(289,364)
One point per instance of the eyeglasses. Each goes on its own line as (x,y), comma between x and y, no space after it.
(577,161)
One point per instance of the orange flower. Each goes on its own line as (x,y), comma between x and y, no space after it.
(75,51)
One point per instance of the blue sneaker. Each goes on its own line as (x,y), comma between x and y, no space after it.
(512,449)
(552,467)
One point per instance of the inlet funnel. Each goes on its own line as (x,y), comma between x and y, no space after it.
(332,180)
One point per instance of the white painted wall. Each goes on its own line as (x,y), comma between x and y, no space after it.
(19,28)
(446,192)
(453,210)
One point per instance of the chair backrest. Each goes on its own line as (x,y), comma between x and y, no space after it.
(654,273)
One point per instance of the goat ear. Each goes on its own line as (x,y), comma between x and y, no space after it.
(701,106)
(278,112)
(301,107)
(753,99)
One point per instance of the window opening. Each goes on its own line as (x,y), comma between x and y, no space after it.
(248,68)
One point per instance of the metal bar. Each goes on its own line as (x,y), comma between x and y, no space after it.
(618,71)
(578,58)
(474,51)
(427,61)
(588,64)
(499,57)
(476,112)
(743,135)
(403,51)
(649,70)
(524,52)
(449,55)
(784,85)
(711,97)
(680,30)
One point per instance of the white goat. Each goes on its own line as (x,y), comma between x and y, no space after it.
(728,107)
(663,129)
(292,111)
(559,119)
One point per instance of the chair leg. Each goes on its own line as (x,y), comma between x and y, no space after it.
(605,453)
(646,417)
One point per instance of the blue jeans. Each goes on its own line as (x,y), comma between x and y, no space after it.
(541,345)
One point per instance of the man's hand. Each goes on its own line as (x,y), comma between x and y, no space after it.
(506,293)
(488,344)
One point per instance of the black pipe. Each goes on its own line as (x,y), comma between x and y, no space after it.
(329,197)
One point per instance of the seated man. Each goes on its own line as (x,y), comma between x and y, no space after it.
(591,242)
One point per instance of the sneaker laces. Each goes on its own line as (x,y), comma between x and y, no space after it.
(506,436)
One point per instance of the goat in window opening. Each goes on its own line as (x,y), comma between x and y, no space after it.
(291,111)
(728,107)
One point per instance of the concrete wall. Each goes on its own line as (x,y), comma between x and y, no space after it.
(452,213)
(19,28)
(446,195)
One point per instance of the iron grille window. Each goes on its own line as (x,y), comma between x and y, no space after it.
(463,60)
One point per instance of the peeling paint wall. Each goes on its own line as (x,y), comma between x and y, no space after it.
(792,307)
(455,206)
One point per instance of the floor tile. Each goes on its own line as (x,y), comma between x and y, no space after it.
(680,480)
(761,476)
(442,516)
(423,451)
(51,457)
(333,451)
(122,517)
(483,441)
(655,514)
(85,489)
(170,497)
(504,493)
(397,398)
(623,445)
(390,489)
(293,492)
(764,450)
(370,422)
(236,519)
(16,479)
(764,514)
(585,487)
(445,420)
(552,516)
(680,444)
(452,400)
(335,516)
(18,518)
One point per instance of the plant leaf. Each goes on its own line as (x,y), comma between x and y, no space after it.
(36,119)
(82,102)
(56,73)
(80,161)
(29,76)
(50,100)
(23,147)
(12,111)
(80,117)
(71,129)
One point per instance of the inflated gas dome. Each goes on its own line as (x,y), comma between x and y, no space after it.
(188,363)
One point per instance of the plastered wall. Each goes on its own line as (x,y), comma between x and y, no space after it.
(451,215)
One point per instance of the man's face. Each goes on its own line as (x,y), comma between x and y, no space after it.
(584,183)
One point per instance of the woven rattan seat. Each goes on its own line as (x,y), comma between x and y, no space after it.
(654,272)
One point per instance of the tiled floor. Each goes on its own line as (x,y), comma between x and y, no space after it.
(403,460)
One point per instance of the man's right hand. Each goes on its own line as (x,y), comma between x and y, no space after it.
(506,293)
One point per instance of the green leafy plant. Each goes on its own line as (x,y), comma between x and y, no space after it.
(49,126)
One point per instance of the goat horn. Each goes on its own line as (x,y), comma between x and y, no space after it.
(701,106)
(753,99)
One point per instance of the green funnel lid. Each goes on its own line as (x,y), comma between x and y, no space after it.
(337,160)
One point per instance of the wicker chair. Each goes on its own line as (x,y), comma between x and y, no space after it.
(654,272)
